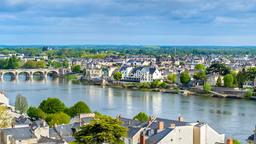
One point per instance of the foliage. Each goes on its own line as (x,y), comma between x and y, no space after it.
(34,64)
(21,104)
(185,77)
(117,76)
(36,113)
(78,108)
(172,78)
(155,84)
(200,72)
(207,87)
(5,118)
(143,117)
(235,141)
(219,68)
(76,68)
(103,129)
(57,118)
(219,82)
(70,77)
(52,105)
(241,77)
(249,93)
(10,63)
(228,80)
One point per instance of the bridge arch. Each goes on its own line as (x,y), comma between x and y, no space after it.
(26,74)
(38,75)
(12,75)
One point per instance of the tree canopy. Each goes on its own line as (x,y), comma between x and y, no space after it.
(78,108)
(172,78)
(35,113)
(143,117)
(219,68)
(185,77)
(103,129)
(117,76)
(5,118)
(57,118)
(52,105)
(21,104)
(228,80)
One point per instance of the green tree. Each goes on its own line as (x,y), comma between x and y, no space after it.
(200,72)
(219,68)
(78,108)
(57,118)
(172,78)
(117,76)
(52,105)
(219,82)
(5,117)
(35,113)
(241,77)
(103,129)
(76,68)
(185,77)
(207,87)
(228,80)
(143,117)
(21,104)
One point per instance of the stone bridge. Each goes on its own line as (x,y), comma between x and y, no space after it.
(15,73)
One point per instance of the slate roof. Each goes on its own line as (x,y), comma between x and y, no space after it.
(159,136)
(22,120)
(64,131)
(46,140)
(251,138)
(167,123)
(20,133)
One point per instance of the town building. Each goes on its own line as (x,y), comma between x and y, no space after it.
(163,131)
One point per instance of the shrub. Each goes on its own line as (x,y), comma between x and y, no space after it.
(143,117)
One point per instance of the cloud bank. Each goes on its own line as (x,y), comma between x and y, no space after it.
(184,22)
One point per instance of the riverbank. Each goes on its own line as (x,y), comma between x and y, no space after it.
(217,92)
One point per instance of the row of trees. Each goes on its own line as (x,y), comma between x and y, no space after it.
(54,111)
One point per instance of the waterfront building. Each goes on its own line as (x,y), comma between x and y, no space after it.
(140,74)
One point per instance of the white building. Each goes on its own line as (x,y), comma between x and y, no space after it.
(141,74)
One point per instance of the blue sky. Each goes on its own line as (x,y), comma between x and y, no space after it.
(152,22)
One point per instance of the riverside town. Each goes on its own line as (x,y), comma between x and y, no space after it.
(127,71)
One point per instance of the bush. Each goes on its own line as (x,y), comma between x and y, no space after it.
(207,87)
(57,118)
(52,105)
(36,113)
(78,108)
(249,93)
(76,69)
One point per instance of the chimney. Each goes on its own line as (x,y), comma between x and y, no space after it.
(172,125)
(229,141)
(142,139)
(180,119)
(160,125)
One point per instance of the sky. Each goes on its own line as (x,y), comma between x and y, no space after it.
(143,22)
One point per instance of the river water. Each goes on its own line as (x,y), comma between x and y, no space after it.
(233,117)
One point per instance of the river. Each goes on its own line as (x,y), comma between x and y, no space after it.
(233,117)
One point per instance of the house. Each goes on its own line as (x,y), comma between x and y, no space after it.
(163,131)
(140,74)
